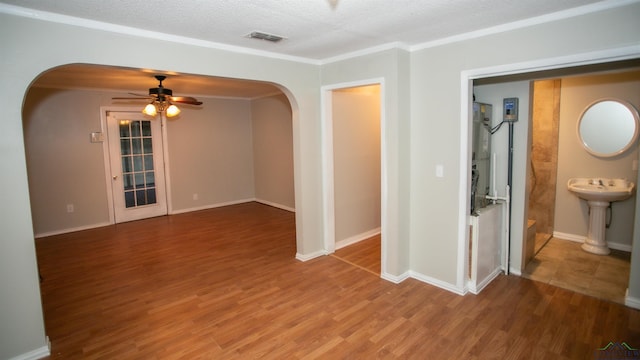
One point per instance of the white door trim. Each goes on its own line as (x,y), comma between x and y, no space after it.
(328,203)
(466,88)
(104,111)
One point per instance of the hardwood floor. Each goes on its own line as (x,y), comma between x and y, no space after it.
(224,284)
(364,254)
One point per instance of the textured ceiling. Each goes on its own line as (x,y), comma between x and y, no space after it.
(314,30)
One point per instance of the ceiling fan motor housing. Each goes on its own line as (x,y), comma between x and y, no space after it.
(160,91)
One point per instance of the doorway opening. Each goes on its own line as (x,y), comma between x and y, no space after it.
(353,174)
(520,253)
(211,149)
(557,257)
(135,168)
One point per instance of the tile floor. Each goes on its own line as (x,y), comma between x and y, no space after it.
(564,264)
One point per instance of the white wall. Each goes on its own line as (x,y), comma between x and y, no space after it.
(356,164)
(64,166)
(391,69)
(23,59)
(572,214)
(211,154)
(273,151)
(423,102)
(439,113)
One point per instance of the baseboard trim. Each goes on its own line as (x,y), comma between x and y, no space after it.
(171,212)
(631,301)
(36,354)
(437,283)
(70,230)
(275,205)
(514,271)
(477,288)
(581,239)
(211,206)
(567,236)
(396,279)
(313,255)
(357,238)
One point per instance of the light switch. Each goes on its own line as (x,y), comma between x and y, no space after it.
(439,171)
(97,137)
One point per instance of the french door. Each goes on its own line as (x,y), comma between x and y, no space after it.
(137,166)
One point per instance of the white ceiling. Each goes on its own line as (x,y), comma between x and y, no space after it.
(314,30)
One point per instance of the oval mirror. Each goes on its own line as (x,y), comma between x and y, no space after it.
(608,127)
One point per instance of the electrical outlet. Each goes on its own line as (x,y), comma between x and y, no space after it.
(70,208)
(195,196)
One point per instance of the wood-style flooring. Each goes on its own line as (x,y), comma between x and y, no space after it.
(364,254)
(224,284)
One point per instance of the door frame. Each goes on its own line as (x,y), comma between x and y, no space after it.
(328,202)
(466,94)
(107,160)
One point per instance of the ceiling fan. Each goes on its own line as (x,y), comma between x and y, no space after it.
(162,99)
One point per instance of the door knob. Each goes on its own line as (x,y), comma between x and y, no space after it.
(115,177)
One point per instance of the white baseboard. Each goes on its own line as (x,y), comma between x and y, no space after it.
(514,271)
(621,247)
(211,206)
(395,279)
(581,239)
(275,205)
(570,237)
(36,354)
(313,255)
(171,212)
(70,230)
(437,283)
(631,302)
(357,238)
(477,288)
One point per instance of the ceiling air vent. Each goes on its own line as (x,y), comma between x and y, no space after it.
(264,36)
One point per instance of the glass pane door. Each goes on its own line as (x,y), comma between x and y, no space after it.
(137,166)
(136,152)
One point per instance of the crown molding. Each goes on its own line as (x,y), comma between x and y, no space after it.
(556,16)
(131,31)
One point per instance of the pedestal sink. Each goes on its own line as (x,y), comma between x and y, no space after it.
(599,193)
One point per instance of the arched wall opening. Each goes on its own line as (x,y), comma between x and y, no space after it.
(251,122)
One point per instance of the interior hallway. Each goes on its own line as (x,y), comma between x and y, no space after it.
(363,254)
(224,284)
(564,264)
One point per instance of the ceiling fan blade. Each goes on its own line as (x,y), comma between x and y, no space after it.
(186,100)
(132,98)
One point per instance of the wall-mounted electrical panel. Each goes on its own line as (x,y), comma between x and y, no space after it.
(510,109)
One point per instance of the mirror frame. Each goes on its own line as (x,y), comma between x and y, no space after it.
(625,147)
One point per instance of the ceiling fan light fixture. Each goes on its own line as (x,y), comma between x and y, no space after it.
(161,100)
(150,110)
(172,111)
